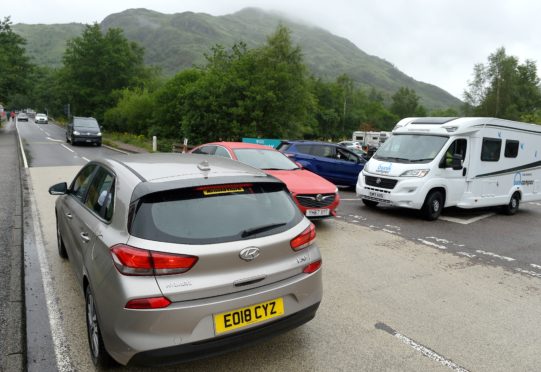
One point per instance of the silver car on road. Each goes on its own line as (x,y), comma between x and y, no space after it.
(185,256)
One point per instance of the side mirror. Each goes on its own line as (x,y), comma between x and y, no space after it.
(59,189)
(299,165)
(456,162)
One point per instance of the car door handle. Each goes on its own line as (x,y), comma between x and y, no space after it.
(69,215)
(85,237)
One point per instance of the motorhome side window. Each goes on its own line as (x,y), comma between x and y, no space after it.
(511,149)
(491,149)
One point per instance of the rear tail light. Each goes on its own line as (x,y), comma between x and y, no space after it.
(313,267)
(136,261)
(148,303)
(305,238)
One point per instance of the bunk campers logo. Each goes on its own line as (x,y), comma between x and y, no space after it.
(384,168)
(518,181)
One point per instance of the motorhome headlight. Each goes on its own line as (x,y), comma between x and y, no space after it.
(415,173)
(451,129)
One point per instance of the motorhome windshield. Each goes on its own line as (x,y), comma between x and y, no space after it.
(410,148)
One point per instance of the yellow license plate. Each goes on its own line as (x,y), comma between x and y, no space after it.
(239,318)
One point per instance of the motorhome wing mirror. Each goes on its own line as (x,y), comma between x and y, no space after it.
(457,162)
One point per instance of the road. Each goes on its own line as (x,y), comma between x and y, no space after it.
(399,293)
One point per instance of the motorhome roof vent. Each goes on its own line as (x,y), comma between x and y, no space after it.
(432,121)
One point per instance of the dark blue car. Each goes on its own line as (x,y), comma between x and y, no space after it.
(332,162)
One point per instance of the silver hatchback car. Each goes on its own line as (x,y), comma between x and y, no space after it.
(185,256)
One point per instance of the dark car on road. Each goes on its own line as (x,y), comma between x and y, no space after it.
(331,161)
(83,130)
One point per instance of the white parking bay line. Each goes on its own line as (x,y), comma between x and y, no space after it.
(85,159)
(505,258)
(54,140)
(466,221)
(431,354)
(67,148)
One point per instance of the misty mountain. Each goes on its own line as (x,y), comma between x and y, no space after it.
(178,41)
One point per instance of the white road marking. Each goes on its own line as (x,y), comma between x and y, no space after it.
(439,240)
(67,148)
(25,162)
(393,227)
(431,244)
(538,204)
(466,221)
(391,231)
(429,353)
(59,339)
(48,135)
(528,272)
(85,159)
(535,266)
(54,140)
(505,258)
(470,255)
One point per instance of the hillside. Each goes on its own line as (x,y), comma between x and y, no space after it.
(45,44)
(178,41)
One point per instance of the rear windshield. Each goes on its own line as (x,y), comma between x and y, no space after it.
(214,214)
(265,159)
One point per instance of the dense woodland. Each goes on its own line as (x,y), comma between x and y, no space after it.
(238,92)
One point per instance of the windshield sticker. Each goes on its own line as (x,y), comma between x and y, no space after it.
(225,190)
(384,168)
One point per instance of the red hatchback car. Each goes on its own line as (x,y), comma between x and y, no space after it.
(315,196)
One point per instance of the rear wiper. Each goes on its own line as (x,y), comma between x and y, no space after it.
(260,229)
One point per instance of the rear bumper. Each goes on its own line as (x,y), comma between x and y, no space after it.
(187,328)
(219,345)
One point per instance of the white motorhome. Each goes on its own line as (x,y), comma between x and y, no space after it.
(366,138)
(431,163)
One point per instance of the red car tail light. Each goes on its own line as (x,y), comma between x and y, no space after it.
(136,261)
(148,303)
(166,263)
(313,267)
(304,239)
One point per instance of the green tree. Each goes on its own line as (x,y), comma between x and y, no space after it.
(261,92)
(405,103)
(97,64)
(15,68)
(503,88)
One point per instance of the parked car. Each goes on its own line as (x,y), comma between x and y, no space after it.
(41,119)
(22,116)
(332,162)
(351,144)
(83,130)
(315,196)
(185,256)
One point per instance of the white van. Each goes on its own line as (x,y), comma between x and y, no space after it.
(431,163)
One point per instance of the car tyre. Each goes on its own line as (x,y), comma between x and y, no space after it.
(370,203)
(61,247)
(100,356)
(433,206)
(67,138)
(513,205)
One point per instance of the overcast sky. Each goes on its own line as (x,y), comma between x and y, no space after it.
(435,41)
